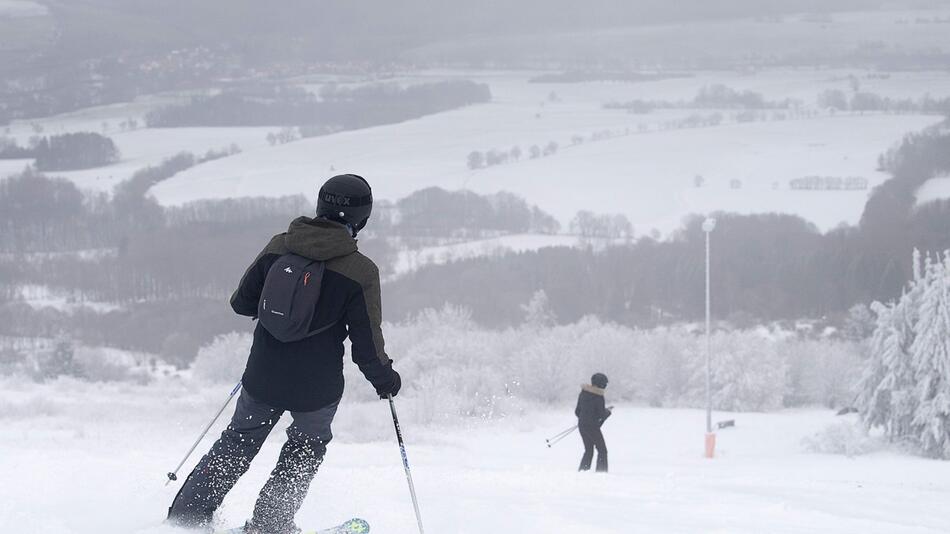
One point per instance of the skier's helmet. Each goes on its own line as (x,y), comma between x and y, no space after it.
(599,380)
(347,199)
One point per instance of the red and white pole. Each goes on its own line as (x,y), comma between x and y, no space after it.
(710,443)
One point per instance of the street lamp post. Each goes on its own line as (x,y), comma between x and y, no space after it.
(708,226)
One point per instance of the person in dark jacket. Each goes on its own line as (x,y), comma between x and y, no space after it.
(591,413)
(303,377)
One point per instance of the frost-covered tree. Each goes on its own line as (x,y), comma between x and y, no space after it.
(884,390)
(930,354)
(538,310)
(906,386)
(859,324)
(886,398)
(821,371)
(748,373)
(476,160)
(223,359)
(60,361)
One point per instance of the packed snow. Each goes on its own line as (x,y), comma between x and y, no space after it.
(476,408)
(92,459)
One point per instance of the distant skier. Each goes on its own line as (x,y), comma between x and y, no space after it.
(591,413)
(304,373)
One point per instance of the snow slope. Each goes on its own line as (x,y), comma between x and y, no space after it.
(90,119)
(141,148)
(648,177)
(91,459)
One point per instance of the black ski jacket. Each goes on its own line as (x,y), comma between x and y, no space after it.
(307,375)
(591,408)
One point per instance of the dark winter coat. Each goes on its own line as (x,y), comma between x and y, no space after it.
(307,375)
(591,408)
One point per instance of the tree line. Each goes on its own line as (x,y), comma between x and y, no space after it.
(434,212)
(335,108)
(583,76)
(715,96)
(172,269)
(836,99)
(65,152)
(766,266)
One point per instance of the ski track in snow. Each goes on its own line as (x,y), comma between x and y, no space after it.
(87,458)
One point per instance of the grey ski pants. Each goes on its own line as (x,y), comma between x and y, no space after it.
(230,457)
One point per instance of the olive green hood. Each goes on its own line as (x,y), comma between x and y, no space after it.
(319,239)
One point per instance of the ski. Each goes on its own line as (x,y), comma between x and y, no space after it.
(353,526)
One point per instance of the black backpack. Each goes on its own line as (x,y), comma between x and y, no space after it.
(289,298)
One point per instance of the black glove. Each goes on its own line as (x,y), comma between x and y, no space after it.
(391,386)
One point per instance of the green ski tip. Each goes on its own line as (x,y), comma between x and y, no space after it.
(353,526)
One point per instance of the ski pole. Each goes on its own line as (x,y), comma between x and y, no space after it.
(405,463)
(174,474)
(556,440)
(564,433)
(559,434)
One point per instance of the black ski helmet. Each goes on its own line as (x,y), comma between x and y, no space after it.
(599,380)
(347,199)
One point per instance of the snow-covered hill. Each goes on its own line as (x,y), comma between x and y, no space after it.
(644,166)
(91,459)
(646,170)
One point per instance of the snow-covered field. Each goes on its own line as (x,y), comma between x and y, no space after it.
(412,259)
(39,297)
(646,172)
(22,8)
(647,177)
(150,146)
(934,189)
(87,458)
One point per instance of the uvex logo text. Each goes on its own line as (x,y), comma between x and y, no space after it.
(338,200)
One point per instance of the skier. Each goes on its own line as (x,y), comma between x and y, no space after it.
(304,377)
(591,413)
